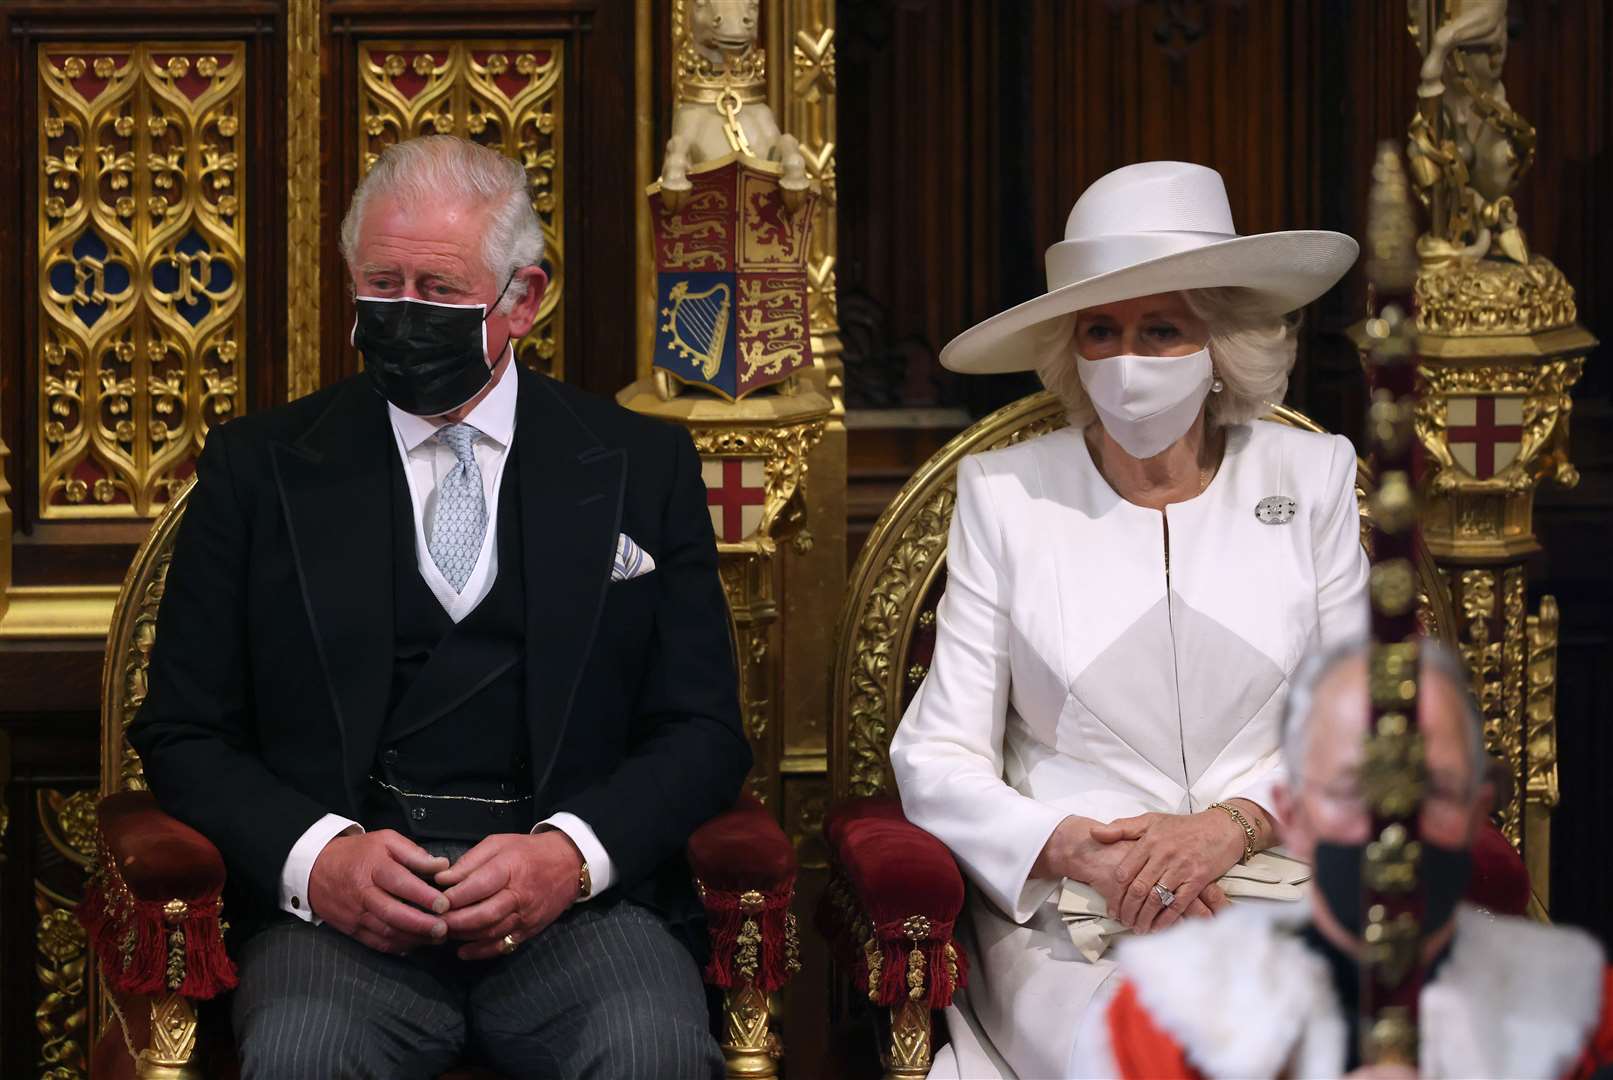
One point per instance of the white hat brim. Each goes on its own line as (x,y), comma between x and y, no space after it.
(1286,269)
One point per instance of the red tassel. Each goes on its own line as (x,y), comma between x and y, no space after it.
(134,941)
(945,965)
(773,943)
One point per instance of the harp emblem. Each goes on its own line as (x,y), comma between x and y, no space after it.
(697,324)
(731,291)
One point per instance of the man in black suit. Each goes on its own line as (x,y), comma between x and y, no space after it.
(445,672)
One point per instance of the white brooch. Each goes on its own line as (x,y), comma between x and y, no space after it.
(1275,510)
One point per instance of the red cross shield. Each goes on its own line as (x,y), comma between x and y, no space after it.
(736,489)
(1484,433)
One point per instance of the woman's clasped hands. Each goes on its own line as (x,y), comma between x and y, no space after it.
(1179,856)
(1183,854)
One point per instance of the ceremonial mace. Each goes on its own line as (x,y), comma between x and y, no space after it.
(1392,777)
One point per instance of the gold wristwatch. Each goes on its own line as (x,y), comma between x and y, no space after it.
(585,883)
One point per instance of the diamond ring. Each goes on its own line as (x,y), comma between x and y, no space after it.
(1165,897)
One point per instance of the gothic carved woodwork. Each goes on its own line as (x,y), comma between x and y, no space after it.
(507,94)
(756,490)
(62,959)
(1493,645)
(302,197)
(803,89)
(142,274)
(804,102)
(1541,793)
(1494,427)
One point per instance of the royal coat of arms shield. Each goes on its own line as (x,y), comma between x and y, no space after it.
(731,282)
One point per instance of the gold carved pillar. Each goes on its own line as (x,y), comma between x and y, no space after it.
(788,69)
(750,146)
(302,197)
(801,89)
(799,40)
(1501,351)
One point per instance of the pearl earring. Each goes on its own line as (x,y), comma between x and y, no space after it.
(1216,386)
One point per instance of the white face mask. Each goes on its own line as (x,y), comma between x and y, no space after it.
(1147,402)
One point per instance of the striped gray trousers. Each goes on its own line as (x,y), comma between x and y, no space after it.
(606,991)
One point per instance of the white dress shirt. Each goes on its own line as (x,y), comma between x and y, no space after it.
(426,461)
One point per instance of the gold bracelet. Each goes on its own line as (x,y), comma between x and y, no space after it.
(1243,823)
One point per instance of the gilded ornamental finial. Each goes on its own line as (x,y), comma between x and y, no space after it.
(1468,146)
(1391,260)
(1466,150)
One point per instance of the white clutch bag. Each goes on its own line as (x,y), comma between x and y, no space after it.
(1269,875)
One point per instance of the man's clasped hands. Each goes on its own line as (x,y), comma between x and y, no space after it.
(392,895)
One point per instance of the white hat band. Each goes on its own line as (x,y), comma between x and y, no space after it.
(1070,261)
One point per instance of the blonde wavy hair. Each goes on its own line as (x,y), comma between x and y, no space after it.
(1251,349)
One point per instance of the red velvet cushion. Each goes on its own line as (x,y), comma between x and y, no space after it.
(1500,880)
(895,868)
(743,849)
(159,857)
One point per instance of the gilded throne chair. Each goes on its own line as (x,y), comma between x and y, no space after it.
(895,892)
(153,909)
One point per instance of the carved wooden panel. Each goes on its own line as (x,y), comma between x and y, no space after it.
(142,267)
(503,93)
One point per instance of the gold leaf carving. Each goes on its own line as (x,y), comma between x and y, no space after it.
(1490,297)
(142,271)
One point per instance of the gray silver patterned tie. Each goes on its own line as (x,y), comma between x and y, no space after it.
(460,521)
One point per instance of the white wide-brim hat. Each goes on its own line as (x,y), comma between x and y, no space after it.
(1153,227)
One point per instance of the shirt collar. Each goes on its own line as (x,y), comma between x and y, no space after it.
(493,416)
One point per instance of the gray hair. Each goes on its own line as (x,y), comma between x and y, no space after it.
(1436,658)
(432,168)
(1251,349)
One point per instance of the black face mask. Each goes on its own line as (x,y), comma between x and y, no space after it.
(423,357)
(1443,871)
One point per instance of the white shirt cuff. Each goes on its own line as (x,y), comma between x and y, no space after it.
(300,863)
(600,871)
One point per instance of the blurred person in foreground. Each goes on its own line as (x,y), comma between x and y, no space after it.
(1266,992)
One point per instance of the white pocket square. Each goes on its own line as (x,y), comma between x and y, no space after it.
(631,560)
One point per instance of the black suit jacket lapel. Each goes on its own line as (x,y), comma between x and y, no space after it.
(336,490)
(571,510)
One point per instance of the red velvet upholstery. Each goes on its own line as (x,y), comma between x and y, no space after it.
(1500,879)
(744,868)
(743,849)
(891,909)
(152,908)
(896,869)
(159,858)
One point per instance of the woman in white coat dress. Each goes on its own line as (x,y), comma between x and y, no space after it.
(1126,598)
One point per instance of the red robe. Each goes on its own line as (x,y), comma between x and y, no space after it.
(1553,1015)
